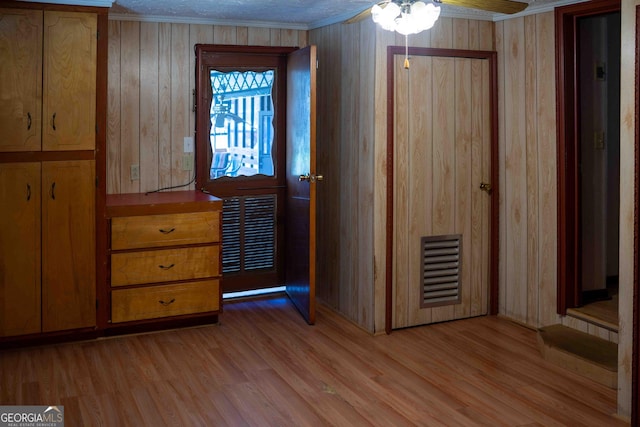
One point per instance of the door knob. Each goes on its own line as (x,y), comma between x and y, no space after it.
(310,177)
(486,187)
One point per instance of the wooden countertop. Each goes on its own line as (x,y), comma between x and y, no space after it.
(134,204)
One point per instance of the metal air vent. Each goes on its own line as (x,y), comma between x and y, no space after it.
(441,256)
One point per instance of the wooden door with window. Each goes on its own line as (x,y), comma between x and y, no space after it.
(442,177)
(255,136)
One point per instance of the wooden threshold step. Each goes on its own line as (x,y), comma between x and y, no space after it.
(585,354)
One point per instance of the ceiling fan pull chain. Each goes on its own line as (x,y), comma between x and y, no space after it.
(406,51)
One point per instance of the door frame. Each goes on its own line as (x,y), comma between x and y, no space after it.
(492,57)
(568,178)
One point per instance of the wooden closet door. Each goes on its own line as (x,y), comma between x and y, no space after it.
(19,248)
(69,84)
(20,79)
(68,245)
(442,148)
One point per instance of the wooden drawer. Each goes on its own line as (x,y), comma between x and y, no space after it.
(164,265)
(135,232)
(153,302)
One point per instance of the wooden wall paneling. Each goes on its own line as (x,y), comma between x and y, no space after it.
(180,103)
(515,197)
(333,67)
(258,36)
(628,207)
(461,31)
(242,36)
(224,34)
(364,309)
(442,33)
(463,173)
(486,35)
(303,38)
(531,153)
(130,106)
(275,37)
(113,110)
(149,106)
(402,178)
(290,37)
(547,170)
(349,166)
(165,80)
(197,34)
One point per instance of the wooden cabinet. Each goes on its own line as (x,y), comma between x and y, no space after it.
(47,274)
(51,123)
(165,258)
(20,79)
(48,80)
(68,245)
(19,248)
(69,81)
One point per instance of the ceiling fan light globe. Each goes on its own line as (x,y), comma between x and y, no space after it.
(385,16)
(410,19)
(425,15)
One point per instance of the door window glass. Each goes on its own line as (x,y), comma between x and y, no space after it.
(241,131)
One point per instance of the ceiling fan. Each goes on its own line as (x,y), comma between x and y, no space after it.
(498,6)
(414,16)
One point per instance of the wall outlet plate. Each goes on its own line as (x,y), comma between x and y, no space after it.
(187,162)
(135,172)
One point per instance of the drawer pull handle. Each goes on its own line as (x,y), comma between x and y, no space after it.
(163,231)
(166,267)
(165,303)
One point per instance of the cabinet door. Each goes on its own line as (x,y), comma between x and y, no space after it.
(69,86)
(68,245)
(19,248)
(20,79)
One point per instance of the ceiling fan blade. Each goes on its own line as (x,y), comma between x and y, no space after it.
(365,13)
(499,6)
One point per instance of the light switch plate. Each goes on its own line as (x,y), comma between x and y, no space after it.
(188,144)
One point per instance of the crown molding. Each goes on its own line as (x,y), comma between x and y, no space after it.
(207,21)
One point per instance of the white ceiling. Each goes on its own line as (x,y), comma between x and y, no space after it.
(295,14)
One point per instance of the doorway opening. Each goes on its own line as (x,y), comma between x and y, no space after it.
(588,46)
(255,149)
(240,153)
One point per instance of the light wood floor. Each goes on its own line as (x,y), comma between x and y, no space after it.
(264,366)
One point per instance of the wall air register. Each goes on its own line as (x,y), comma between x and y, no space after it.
(441,270)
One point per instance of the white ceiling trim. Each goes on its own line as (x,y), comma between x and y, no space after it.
(207,21)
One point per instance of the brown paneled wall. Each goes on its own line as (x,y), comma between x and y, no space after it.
(528,227)
(151,80)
